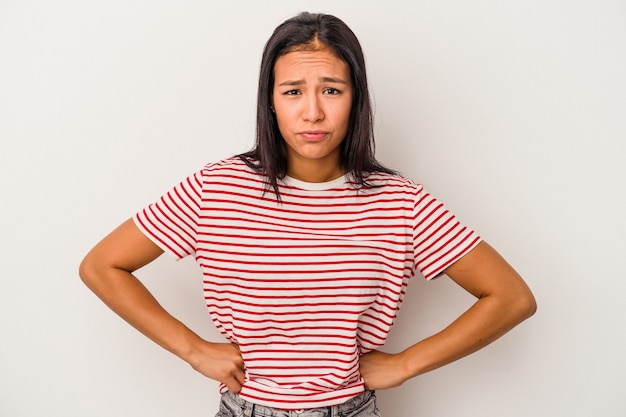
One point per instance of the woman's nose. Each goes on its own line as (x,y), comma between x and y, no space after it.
(313,111)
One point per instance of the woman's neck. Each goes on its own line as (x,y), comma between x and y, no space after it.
(315,172)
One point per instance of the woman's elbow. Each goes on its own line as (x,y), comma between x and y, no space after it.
(85,270)
(88,270)
(524,305)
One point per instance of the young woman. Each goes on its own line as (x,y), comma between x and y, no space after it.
(306,245)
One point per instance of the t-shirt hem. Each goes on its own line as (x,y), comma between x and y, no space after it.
(154,239)
(291,402)
(440,271)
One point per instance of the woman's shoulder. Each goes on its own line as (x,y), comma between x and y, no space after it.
(231,165)
(230,173)
(392,180)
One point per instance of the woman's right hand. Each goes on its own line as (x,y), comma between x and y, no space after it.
(221,362)
(108,271)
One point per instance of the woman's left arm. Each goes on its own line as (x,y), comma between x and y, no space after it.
(504,300)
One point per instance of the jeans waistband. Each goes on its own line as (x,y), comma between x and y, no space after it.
(363,405)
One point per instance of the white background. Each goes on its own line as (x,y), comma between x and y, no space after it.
(511,112)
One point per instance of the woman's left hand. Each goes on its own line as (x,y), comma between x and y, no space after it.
(381,370)
(503,301)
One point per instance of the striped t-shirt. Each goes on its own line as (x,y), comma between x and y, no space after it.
(306,285)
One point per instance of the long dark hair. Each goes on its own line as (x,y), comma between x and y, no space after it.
(269,155)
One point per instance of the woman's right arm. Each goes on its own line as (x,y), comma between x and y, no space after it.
(108,271)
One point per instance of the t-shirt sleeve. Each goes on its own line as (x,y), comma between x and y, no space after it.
(439,238)
(172,221)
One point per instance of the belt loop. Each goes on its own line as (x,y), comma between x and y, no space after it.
(249,412)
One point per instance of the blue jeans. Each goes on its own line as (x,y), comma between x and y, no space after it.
(363,405)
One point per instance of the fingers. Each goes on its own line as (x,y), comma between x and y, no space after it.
(381,370)
(222,362)
(233,372)
(238,376)
(233,385)
(236,381)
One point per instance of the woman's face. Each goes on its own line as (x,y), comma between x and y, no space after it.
(312,99)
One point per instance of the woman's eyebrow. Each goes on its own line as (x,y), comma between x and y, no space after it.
(333,80)
(292,82)
(322,79)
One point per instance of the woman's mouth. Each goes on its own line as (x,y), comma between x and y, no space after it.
(313,135)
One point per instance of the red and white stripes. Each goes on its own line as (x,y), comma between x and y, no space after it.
(307,285)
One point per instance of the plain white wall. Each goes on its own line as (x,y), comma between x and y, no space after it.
(511,112)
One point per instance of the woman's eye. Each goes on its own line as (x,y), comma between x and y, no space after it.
(291,92)
(331,91)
